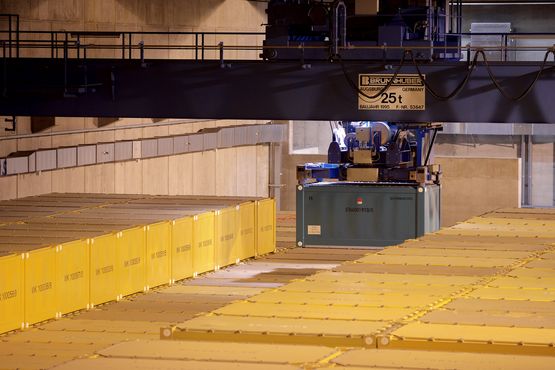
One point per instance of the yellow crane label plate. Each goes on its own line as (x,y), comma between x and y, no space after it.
(405,92)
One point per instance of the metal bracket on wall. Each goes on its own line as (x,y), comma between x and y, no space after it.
(13,121)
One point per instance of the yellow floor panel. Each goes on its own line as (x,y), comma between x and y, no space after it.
(543,264)
(213,290)
(514,294)
(121,363)
(100,338)
(407,269)
(543,233)
(523,282)
(400,359)
(370,288)
(498,305)
(389,299)
(413,251)
(511,337)
(392,278)
(313,311)
(487,242)
(205,351)
(103,326)
(437,260)
(277,330)
(509,319)
(528,271)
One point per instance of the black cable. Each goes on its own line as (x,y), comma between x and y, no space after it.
(453,93)
(379,93)
(529,88)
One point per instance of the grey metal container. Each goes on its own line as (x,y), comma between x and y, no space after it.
(46,159)
(362,214)
(67,157)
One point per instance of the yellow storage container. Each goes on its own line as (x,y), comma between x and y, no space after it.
(247,225)
(226,226)
(158,254)
(72,276)
(182,248)
(203,243)
(265,226)
(40,285)
(131,261)
(103,282)
(11,291)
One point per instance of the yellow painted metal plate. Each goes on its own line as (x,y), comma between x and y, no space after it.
(104,269)
(182,248)
(418,269)
(203,247)
(367,299)
(497,305)
(396,251)
(265,226)
(131,260)
(284,326)
(11,292)
(513,294)
(527,271)
(491,319)
(158,254)
(524,282)
(72,276)
(406,359)
(70,337)
(545,233)
(213,290)
(140,364)
(436,260)
(103,326)
(40,285)
(226,351)
(488,242)
(313,311)
(472,333)
(542,263)
(392,278)
(370,288)
(226,236)
(247,231)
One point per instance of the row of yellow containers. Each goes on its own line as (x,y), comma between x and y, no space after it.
(48,282)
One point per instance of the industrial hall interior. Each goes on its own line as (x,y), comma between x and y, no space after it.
(277,184)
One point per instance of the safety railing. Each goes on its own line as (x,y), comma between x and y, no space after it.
(237,45)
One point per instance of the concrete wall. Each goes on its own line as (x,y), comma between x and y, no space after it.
(235,171)
(239,171)
(473,186)
(143,15)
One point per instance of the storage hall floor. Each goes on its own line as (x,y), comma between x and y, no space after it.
(478,295)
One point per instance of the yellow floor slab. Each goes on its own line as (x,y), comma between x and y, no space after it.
(451,252)
(437,260)
(405,359)
(119,363)
(498,305)
(393,278)
(492,319)
(313,311)
(390,299)
(370,288)
(475,333)
(218,351)
(513,294)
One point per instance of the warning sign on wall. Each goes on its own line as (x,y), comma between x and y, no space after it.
(407,92)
